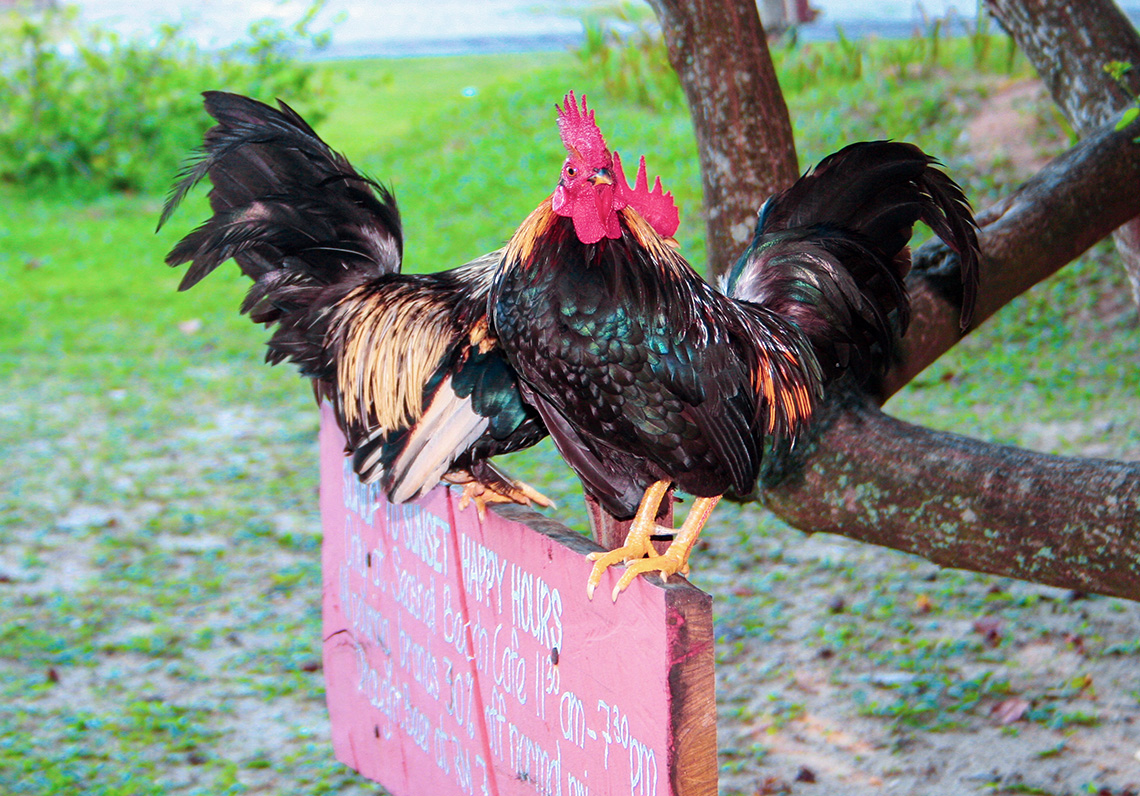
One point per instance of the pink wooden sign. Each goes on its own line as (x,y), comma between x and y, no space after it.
(462,656)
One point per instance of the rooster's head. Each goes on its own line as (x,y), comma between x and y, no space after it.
(592,187)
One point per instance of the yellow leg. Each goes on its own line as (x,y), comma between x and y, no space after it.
(637,543)
(676,558)
(483,495)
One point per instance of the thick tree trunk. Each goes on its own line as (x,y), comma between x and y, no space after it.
(1069,44)
(744,134)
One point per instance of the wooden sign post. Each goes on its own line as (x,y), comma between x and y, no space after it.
(462,657)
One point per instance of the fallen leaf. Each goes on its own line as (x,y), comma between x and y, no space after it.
(1010,710)
(923,604)
(1076,642)
(773,786)
(1082,683)
(990,627)
(805,774)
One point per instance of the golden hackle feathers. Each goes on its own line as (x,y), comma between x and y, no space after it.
(521,244)
(646,234)
(386,359)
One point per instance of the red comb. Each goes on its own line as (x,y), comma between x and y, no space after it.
(580,135)
(656,206)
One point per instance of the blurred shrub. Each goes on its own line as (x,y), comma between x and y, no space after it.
(86,110)
(626,50)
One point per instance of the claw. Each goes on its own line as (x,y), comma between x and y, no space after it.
(668,563)
(483,495)
(528,492)
(673,560)
(634,550)
(637,542)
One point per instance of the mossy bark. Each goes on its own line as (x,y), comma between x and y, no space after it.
(960,502)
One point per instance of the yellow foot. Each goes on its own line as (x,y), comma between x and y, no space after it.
(668,563)
(673,560)
(483,495)
(637,543)
(636,548)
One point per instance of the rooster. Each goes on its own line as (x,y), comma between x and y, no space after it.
(648,378)
(419,386)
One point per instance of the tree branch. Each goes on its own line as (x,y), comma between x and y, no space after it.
(1072,523)
(1069,45)
(1057,215)
(1066,522)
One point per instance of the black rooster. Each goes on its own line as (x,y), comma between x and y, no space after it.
(647,377)
(420,388)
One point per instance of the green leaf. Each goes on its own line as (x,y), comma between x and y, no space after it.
(1128,118)
(1117,69)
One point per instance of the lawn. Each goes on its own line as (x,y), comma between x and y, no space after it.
(159,536)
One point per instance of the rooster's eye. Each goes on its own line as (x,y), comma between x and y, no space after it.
(571,171)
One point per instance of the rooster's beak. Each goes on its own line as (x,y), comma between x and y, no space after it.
(601,177)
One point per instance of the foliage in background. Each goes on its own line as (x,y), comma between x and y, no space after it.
(89,110)
(1117,70)
(626,49)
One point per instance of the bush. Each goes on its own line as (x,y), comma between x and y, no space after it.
(626,51)
(89,111)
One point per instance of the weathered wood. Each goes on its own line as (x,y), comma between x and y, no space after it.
(1069,45)
(693,764)
(462,656)
(744,134)
(692,683)
(1072,523)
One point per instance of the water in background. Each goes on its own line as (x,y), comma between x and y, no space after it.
(438,27)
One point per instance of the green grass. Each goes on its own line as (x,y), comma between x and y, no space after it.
(159,575)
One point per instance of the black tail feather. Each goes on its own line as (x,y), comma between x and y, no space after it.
(296,217)
(280,192)
(418,385)
(831,252)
